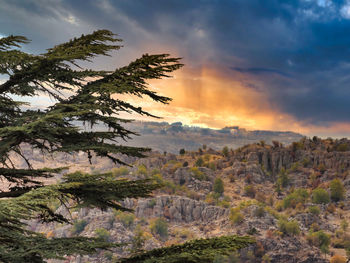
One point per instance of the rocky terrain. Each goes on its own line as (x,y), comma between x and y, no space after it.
(295,201)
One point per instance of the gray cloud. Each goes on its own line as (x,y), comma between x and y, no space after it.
(297,52)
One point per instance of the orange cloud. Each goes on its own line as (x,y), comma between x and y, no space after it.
(211,98)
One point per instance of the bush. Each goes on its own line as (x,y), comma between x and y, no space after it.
(320,196)
(344,225)
(337,190)
(121,171)
(236,217)
(159,227)
(152,203)
(196,173)
(79,226)
(127,219)
(218,186)
(299,196)
(337,259)
(142,170)
(138,240)
(212,166)
(315,210)
(259,211)
(102,233)
(199,162)
(182,151)
(225,151)
(250,191)
(289,228)
(320,239)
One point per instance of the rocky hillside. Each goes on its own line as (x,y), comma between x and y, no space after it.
(295,201)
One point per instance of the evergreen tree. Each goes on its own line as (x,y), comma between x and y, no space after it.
(82,97)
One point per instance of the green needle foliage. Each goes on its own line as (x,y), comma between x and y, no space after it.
(81,97)
(195,251)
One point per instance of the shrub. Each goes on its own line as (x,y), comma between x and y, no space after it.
(337,259)
(199,162)
(236,217)
(138,240)
(289,228)
(185,164)
(159,227)
(102,233)
(299,196)
(320,196)
(250,191)
(315,210)
(212,166)
(218,186)
(259,211)
(344,225)
(127,219)
(121,171)
(142,170)
(320,239)
(79,226)
(182,151)
(225,151)
(224,203)
(337,190)
(196,173)
(297,146)
(155,171)
(152,203)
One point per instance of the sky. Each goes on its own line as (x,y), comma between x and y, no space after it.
(268,65)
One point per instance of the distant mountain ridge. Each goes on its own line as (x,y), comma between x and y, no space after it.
(165,137)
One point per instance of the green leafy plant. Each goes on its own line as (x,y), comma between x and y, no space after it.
(320,196)
(102,233)
(290,228)
(159,227)
(218,186)
(315,210)
(337,190)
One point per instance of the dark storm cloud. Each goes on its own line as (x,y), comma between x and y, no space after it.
(259,71)
(296,52)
